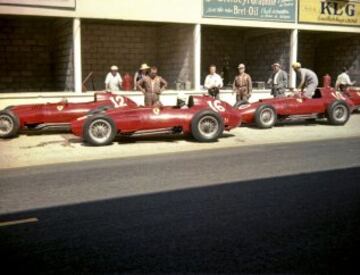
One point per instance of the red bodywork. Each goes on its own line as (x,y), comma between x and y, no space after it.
(354,95)
(150,119)
(297,106)
(64,112)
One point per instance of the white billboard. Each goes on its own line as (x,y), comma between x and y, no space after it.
(70,4)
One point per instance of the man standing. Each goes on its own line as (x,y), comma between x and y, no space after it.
(308,80)
(141,73)
(213,82)
(278,81)
(343,80)
(113,80)
(152,86)
(242,86)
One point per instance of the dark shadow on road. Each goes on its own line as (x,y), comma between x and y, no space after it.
(308,223)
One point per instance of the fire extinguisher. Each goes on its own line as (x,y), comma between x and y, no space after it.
(127,82)
(327,80)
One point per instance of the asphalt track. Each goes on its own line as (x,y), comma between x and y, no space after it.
(283,208)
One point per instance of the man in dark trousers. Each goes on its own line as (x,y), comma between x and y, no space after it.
(278,81)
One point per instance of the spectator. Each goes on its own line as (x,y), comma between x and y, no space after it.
(141,73)
(278,81)
(213,82)
(343,80)
(242,86)
(152,86)
(113,80)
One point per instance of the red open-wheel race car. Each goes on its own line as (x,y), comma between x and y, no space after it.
(326,103)
(40,116)
(203,117)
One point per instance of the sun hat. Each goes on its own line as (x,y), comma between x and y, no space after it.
(114,68)
(144,67)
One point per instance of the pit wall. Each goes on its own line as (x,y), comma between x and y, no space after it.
(168,98)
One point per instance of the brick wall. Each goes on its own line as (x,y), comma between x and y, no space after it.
(217,44)
(257,51)
(169,47)
(25,58)
(35,54)
(263,50)
(127,46)
(62,56)
(333,54)
(176,53)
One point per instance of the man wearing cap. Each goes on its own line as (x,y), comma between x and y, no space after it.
(242,86)
(213,82)
(278,81)
(152,86)
(141,73)
(113,79)
(307,78)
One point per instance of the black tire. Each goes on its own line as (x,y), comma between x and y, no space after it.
(104,138)
(100,109)
(198,129)
(9,124)
(338,112)
(265,116)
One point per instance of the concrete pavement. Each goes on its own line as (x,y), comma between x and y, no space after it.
(290,208)
(51,148)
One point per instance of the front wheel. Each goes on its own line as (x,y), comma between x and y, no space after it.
(338,113)
(207,126)
(99,130)
(265,116)
(9,124)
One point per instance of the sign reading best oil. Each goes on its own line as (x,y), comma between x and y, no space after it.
(261,10)
(337,12)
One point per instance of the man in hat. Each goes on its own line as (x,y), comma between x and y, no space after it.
(152,86)
(307,78)
(242,86)
(113,80)
(213,82)
(278,81)
(141,73)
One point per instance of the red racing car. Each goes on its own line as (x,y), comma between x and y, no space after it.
(203,117)
(354,94)
(39,116)
(326,103)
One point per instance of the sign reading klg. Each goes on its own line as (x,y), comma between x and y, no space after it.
(338,12)
(261,10)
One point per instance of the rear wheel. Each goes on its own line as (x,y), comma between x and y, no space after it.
(99,130)
(265,116)
(207,126)
(9,124)
(338,113)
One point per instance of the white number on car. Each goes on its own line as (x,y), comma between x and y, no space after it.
(118,101)
(216,106)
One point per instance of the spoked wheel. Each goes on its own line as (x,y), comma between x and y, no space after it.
(9,124)
(99,130)
(338,113)
(207,126)
(265,116)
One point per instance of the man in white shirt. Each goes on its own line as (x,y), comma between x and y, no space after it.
(343,80)
(113,80)
(213,82)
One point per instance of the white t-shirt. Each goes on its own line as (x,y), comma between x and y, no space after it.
(114,82)
(213,80)
(344,79)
